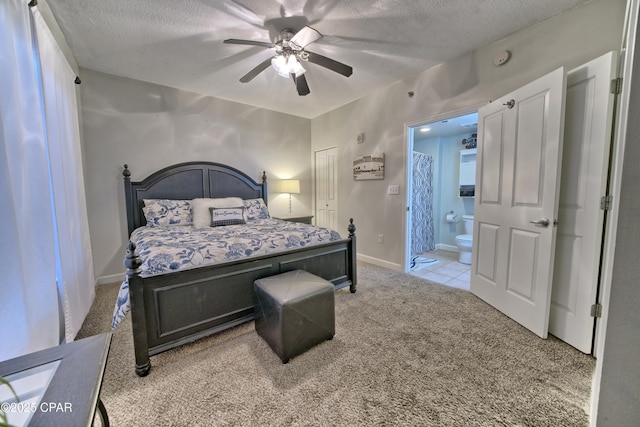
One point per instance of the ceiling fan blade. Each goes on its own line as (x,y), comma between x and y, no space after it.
(305,36)
(329,63)
(301,84)
(257,70)
(248,42)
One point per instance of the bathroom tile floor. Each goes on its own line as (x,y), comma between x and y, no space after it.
(447,271)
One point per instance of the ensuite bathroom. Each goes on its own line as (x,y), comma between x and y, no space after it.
(443,188)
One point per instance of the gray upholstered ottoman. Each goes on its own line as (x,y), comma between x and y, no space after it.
(294,312)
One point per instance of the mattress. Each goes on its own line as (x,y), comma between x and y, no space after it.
(173,248)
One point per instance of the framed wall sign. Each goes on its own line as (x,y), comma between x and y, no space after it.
(368,167)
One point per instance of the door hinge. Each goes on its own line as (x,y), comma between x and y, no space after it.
(616,85)
(606,203)
(596,310)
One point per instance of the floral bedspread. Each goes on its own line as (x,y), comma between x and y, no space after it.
(172,248)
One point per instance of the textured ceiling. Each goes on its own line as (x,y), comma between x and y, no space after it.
(179,43)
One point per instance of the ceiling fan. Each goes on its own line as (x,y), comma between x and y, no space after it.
(289,47)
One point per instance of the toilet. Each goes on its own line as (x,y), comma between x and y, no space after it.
(463,241)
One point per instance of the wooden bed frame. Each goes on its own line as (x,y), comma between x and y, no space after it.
(175,308)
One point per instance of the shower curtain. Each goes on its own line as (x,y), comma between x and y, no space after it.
(422,233)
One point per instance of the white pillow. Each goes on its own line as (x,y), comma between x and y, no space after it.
(201,213)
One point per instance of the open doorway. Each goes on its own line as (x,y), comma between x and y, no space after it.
(509,190)
(440,152)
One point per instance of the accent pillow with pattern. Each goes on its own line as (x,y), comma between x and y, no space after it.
(256,209)
(201,206)
(227,216)
(167,212)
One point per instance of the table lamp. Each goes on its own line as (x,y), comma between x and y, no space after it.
(290,186)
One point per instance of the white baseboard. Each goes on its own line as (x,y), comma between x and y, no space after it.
(379,262)
(449,248)
(113,278)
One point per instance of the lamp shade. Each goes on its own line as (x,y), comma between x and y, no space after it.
(287,65)
(291,186)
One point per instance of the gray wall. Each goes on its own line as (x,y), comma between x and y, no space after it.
(458,86)
(149,127)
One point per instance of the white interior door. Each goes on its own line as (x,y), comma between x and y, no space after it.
(326,188)
(587,137)
(517,188)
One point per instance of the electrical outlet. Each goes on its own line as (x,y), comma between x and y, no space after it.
(380,238)
(393,189)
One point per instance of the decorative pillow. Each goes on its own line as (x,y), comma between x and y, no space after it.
(167,212)
(227,216)
(256,209)
(200,208)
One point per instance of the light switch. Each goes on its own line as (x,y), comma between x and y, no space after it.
(393,189)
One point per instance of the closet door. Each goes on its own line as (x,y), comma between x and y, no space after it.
(326,188)
(587,137)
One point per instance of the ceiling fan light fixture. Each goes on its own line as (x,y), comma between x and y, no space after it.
(289,48)
(285,65)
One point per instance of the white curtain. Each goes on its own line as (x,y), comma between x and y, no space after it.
(29,318)
(75,262)
(44,241)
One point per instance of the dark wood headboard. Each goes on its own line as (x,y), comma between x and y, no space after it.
(186,181)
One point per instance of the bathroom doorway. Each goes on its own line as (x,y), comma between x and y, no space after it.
(433,195)
(579,223)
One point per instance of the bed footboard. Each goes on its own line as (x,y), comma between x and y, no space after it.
(176,308)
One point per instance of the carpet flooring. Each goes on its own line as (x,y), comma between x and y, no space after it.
(406,352)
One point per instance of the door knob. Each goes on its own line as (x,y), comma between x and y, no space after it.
(543,222)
